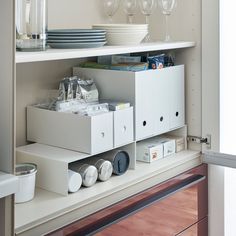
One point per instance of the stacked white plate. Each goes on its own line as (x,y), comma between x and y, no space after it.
(76,38)
(123,34)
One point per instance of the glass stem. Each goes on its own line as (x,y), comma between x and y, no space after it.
(147,19)
(110,19)
(130,19)
(167,37)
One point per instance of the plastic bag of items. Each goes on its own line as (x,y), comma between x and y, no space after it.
(75,88)
(160,61)
(79,97)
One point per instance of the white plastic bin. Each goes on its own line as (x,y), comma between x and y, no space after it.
(26,173)
(88,134)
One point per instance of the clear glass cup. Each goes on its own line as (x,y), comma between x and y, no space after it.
(110,8)
(167,6)
(130,7)
(31,25)
(147,7)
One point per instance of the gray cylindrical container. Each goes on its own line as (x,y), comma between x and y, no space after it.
(88,173)
(104,168)
(120,160)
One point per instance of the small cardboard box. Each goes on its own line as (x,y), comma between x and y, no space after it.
(149,151)
(168,145)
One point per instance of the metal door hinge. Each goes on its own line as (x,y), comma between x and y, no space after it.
(201,140)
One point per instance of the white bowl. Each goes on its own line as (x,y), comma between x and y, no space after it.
(125,38)
(116,26)
(126,31)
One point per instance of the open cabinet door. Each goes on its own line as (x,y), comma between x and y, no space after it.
(218,108)
(7,65)
(211,114)
(218,85)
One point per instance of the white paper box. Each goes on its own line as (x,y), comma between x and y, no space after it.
(123,127)
(89,134)
(179,142)
(157,96)
(149,152)
(168,146)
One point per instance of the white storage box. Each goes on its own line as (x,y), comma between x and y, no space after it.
(179,142)
(157,96)
(168,146)
(149,152)
(89,134)
(123,127)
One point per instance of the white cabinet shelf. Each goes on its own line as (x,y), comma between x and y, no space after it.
(60,54)
(8,184)
(47,205)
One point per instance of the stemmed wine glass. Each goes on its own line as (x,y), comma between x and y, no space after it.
(147,7)
(130,7)
(167,7)
(111,7)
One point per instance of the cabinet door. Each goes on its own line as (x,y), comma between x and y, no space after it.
(198,229)
(218,87)
(7,50)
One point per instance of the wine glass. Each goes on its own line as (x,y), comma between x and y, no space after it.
(130,9)
(167,7)
(147,7)
(111,7)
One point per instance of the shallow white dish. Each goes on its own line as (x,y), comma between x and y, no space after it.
(78,34)
(76,40)
(76,45)
(76,37)
(76,31)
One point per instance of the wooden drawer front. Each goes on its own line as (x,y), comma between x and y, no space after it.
(164,210)
(198,229)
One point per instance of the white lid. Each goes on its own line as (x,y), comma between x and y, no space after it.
(74,181)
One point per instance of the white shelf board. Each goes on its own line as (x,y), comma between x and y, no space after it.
(60,54)
(47,205)
(8,184)
(59,154)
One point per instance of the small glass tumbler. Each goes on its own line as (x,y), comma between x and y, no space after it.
(31,25)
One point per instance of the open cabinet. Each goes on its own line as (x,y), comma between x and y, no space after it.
(36,73)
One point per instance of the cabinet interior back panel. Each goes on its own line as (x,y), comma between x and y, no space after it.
(34,83)
(34,79)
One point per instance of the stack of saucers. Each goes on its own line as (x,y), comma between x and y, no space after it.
(123,34)
(76,38)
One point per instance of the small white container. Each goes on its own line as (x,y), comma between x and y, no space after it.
(26,173)
(74,181)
